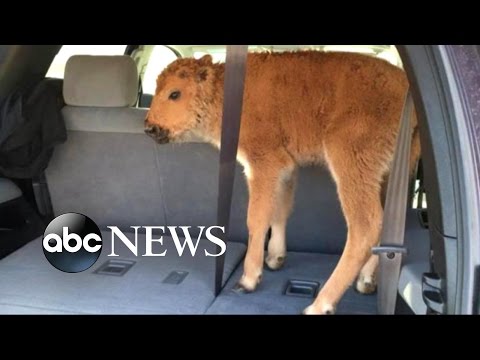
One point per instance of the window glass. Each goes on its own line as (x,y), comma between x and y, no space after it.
(160,58)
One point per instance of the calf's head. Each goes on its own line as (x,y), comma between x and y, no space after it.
(182,100)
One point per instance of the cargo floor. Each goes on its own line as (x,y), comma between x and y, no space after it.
(270,297)
(30,285)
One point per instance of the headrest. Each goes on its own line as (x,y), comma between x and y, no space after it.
(100,81)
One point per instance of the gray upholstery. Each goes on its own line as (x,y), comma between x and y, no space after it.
(111,177)
(8,190)
(110,184)
(103,81)
(30,285)
(97,119)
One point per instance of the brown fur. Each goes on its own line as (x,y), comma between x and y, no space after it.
(337,109)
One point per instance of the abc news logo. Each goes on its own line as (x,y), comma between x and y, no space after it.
(73,242)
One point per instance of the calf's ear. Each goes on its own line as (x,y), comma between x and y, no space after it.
(202,74)
(204,69)
(206,60)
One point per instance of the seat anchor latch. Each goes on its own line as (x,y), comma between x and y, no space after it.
(389,250)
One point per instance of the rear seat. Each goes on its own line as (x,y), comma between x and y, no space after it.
(109,170)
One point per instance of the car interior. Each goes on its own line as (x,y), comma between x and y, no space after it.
(109,170)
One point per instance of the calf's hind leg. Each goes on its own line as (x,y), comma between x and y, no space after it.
(358,185)
(367,280)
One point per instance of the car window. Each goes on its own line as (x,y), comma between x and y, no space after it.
(57,68)
(159,59)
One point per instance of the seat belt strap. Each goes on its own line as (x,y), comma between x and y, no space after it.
(392,237)
(42,196)
(235,66)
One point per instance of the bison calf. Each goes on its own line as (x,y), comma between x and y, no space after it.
(340,110)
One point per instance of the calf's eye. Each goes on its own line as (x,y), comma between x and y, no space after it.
(174,95)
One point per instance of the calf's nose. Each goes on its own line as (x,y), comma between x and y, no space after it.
(149,129)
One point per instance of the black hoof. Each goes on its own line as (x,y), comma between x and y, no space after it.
(280,261)
(328,312)
(240,289)
(371,290)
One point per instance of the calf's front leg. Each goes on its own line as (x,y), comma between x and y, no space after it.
(266,186)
